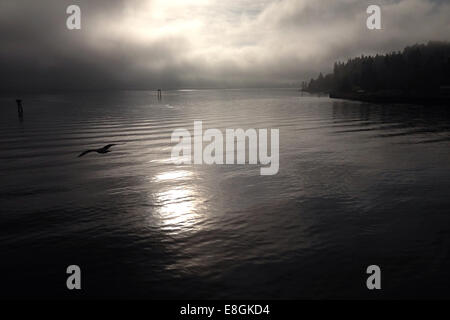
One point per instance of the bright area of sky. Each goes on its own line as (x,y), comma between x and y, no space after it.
(131,44)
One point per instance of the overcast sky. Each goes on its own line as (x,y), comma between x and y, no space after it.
(199,43)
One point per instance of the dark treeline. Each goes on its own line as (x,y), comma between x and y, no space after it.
(419,68)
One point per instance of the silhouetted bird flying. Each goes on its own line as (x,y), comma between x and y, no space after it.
(105,149)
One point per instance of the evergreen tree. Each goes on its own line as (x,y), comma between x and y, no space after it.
(418,67)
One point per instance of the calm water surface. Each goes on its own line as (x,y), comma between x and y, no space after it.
(359,184)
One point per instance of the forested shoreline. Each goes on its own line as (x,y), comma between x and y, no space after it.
(418,73)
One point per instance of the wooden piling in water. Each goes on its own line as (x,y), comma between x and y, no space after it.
(19,108)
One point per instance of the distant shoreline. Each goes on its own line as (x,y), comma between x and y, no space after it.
(393,98)
(419,74)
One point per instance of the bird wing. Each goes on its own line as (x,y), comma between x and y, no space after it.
(108,146)
(85,152)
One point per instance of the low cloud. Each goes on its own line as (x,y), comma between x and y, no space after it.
(199,43)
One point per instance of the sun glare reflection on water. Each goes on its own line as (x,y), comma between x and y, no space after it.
(173,175)
(177,204)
